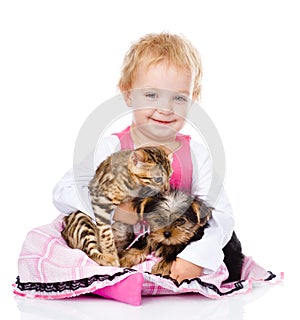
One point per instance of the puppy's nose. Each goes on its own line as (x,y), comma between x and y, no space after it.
(167,234)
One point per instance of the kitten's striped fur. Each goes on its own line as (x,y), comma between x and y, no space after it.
(122,176)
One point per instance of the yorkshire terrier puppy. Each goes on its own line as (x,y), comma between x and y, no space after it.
(175,220)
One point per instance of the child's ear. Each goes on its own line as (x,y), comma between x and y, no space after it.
(202,211)
(127,97)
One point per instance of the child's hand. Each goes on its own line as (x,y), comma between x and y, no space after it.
(183,269)
(126,214)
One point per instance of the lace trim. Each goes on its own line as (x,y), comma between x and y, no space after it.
(237,285)
(74,285)
(271,276)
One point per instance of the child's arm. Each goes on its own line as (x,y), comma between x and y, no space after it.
(207,253)
(71,192)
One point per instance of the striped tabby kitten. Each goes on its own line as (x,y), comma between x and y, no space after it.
(124,175)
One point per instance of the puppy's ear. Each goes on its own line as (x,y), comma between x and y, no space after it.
(202,211)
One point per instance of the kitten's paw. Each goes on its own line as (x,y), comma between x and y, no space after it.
(106,259)
(110,259)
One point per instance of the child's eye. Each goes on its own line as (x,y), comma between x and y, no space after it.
(151,95)
(181,98)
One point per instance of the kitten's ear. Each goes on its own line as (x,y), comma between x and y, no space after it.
(167,151)
(202,211)
(137,157)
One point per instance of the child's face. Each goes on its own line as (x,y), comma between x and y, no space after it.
(160,96)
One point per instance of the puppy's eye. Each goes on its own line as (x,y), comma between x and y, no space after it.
(180,221)
(157,179)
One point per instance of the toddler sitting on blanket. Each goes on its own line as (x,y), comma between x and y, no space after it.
(160,82)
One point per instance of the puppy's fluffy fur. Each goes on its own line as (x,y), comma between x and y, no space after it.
(175,220)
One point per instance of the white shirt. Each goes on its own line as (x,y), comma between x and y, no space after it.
(71,194)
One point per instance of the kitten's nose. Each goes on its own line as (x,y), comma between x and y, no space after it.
(166,188)
(167,234)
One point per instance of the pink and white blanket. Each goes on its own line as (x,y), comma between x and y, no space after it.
(49,269)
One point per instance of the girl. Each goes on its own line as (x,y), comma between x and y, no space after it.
(160,78)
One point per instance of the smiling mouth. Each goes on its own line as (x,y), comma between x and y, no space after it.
(161,121)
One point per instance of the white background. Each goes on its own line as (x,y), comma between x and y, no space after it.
(61,59)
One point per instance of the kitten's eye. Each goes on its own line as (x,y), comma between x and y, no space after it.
(180,221)
(158,179)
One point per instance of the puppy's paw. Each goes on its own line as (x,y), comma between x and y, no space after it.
(162,268)
(132,257)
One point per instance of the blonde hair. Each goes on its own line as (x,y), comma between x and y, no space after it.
(154,48)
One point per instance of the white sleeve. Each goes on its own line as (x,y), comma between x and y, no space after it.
(71,192)
(207,252)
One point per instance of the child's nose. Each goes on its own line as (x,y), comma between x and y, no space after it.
(166,110)
(165,106)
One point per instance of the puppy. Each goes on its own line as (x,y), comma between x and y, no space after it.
(175,220)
